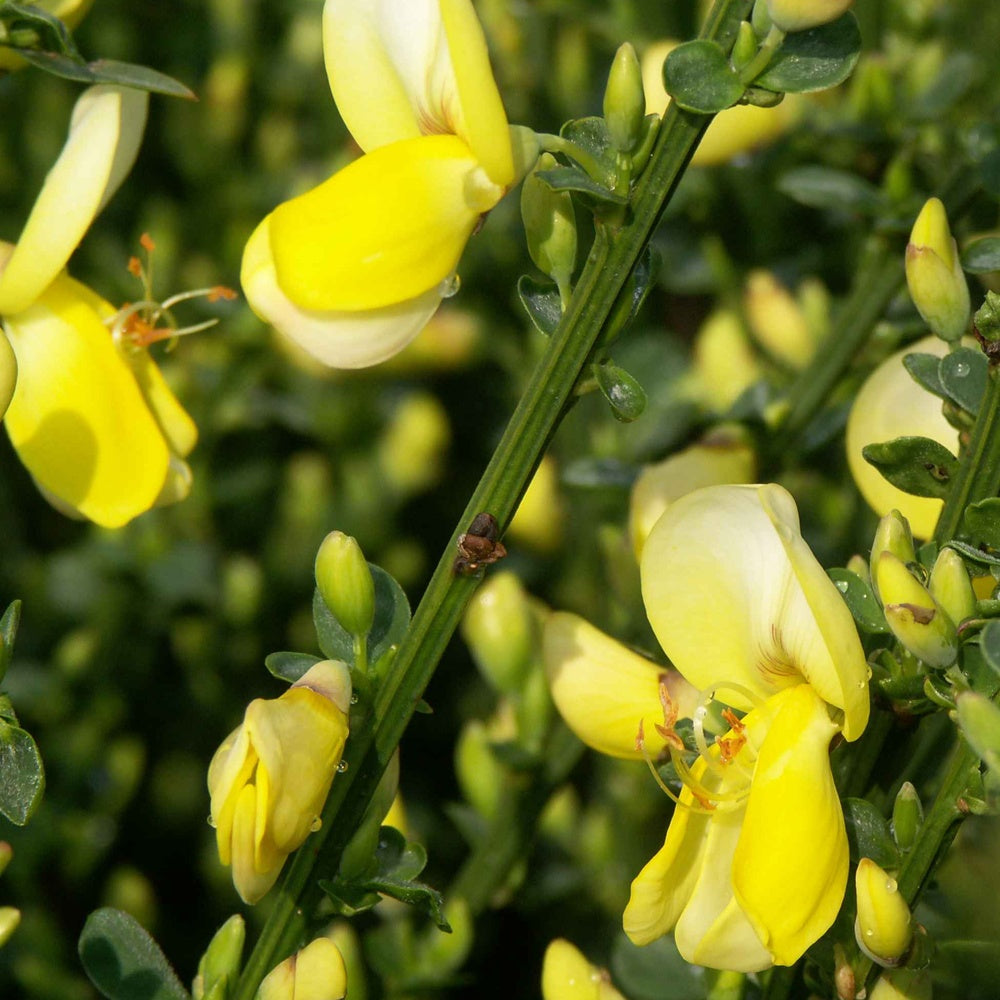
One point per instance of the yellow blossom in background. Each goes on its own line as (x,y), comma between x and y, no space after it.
(740,129)
(353,270)
(91,416)
(567,975)
(317,972)
(269,779)
(725,362)
(539,521)
(890,404)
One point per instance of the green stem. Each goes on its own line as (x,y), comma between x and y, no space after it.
(546,399)
(762,58)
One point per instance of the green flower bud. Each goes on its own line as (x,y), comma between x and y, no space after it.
(411,451)
(346,583)
(979,720)
(222,959)
(745,46)
(915,618)
(884,927)
(480,774)
(10,917)
(951,586)
(903,984)
(800,15)
(777,320)
(892,535)
(624,100)
(549,225)
(501,631)
(907,815)
(934,273)
(859,567)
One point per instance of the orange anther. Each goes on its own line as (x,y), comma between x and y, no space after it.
(147,242)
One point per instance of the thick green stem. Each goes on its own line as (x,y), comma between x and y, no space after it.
(545,401)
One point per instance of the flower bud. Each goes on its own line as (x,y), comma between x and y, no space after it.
(549,225)
(907,815)
(745,47)
(222,959)
(859,567)
(800,15)
(539,519)
(624,100)
(725,363)
(317,972)
(501,631)
(10,918)
(915,618)
(951,586)
(269,779)
(480,775)
(934,273)
(903,984)
(884,927)
(892,535)
(777,321)
(411,451)
(346,583)
(979,720)
(567,975)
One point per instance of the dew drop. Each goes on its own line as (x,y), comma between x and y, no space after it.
(354,699)
(842,586)
(450,286)
(342,767)
(961,370)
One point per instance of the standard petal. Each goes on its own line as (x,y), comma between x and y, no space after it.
(385,229)
(250,883)
(604,691)
(335,338)
(103,141)
(78,420)
(179,430)
(790,867)
(815,624)
(231,768)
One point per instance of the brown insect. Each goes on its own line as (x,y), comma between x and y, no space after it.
(479,546)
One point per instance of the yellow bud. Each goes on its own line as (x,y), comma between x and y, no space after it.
(859,567)
(892,535)
(915,618)
(411,451)
(724,360)
(567,975)
(903,984)
(951,586)
(10,917)
(800,15)
(317,972)
(222,958)
(934,273)
(538,520)
(480,775)
(624,101)
(884,927)
(549,225)
(777,321)
(346,583)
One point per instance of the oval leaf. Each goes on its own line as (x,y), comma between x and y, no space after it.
(816,59)
(108,71)
(124,962)
(289,666)
(963,375)
(576,180)
(868,834)
(982,256)
(697,75)
(916,465)
(923,369)
(542,303)
(981,522)
(826,187)
(22,776)
(621,390)
(591,135)
(861,601)
(656,971)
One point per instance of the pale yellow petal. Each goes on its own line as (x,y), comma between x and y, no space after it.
(790,867)
(179,430)
(103,141)
(231,768)
(336,338)
(78,420)
(250,883)
(320,972)
(385,229)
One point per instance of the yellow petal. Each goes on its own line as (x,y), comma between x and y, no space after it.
(725,362)
(78,420)
(317,972)
(567,975)
(250,883)
(889,405)
(103,141)
(335,338)
(790,867)
(231,768)
(603,690)
(177,427)
(385,229)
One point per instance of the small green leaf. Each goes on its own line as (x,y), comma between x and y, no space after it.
(697,75)
(621,390)
(916,465)
(8,633)
(655,971)
(982,256)
(107,71)
(289,666)
(22,776)
(829,188)
(591,135)
(860,600)
(542,303)
(973,554)
(397,857)
(124,962)
(868,834)
(923,369)
(989,645)
(577,180)
(963,374)
(421,897)
(815,59)
(392,618)
(981,522)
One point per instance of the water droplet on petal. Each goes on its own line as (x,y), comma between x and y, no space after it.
(450,286)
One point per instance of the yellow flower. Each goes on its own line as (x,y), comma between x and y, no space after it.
(269,779)
(317,972)
(567,975)
(91,416)
(800,15)
(354,269)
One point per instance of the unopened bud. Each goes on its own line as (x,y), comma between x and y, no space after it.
(979,720)
(915,618)
(951,586)
(549,225)
(724,360)
(934,273)
(903,984)
(539,520)
(346,583)
(624,100)
(884,927)
(567,975)
(221,962)
(892,535)
(501,631)
(800,15)
(411,451)
(317,972)
(480,775)
(907,816)
(745,46)
(859,567)
(10,918)
(777,321)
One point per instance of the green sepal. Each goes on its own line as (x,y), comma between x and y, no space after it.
(923,369)
(697,75)
(982,256)
(8,633)
(831,188)
(123,961)
(963,374)
(916,465)
(860,600)
(625,395)
(868,834)
(542,303)
(22,775)
(580,182)
(816,59)
(289,666)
